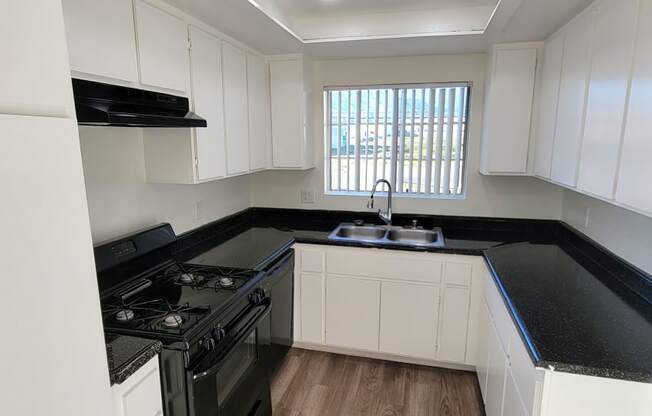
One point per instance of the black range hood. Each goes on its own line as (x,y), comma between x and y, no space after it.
(99,104)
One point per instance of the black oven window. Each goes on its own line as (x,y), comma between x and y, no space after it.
(240,360)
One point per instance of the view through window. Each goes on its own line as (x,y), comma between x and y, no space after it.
(412,135)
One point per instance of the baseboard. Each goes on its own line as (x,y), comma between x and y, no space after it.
(382,356)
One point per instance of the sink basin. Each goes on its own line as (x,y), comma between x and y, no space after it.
(386,235)
(416,236)
(360,232)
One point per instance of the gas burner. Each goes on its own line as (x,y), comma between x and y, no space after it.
(124,315)
(225,282)
(172,320)
(190,278)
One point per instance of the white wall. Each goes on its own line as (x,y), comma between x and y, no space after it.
(626,233)
(486,196)
(120,201)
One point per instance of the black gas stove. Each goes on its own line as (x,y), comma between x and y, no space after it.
(174,300)
(213,321)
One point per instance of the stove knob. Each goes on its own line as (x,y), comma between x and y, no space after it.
(208,343)
(218,333)
(257,296)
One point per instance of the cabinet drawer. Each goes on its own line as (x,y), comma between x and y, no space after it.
(312,261)
(399,266)
(499,313)
(458,274)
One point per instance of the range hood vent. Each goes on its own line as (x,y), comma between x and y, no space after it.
(99,104)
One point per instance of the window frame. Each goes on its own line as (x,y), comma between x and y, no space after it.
(327,117)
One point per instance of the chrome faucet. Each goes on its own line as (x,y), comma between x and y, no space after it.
(387,215)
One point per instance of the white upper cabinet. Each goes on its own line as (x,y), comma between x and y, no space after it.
(572,99)
(613,50)
(258,100)
(207,94)
(35,71)
(236,120)
(289,90)
(101,38)
(508,116)
(162,48)
(635,168)
(551,75)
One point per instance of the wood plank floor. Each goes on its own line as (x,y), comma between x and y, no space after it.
(324,384)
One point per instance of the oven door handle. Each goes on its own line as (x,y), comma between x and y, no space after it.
(253,317)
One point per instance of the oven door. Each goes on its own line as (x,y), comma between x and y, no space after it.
(234,379)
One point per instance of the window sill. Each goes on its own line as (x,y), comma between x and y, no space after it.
(442,197)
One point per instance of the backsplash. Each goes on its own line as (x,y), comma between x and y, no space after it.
(121,201)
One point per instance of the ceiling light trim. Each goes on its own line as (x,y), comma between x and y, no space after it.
(331,39)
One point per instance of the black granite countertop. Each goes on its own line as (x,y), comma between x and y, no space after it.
(574,316)
(127,354)
(579,308)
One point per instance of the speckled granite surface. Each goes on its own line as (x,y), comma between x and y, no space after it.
(127,354)
(574,315)
(579,308)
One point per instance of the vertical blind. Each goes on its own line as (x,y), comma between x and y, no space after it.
(414,136)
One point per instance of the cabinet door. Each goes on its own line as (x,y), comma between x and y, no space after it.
(551,73)
(454,324)
(572,99)
(162,48)
(287,101)
(140,394)
(496,367)
(483,351)
(510,113)
(235,109)
(312,307)
(35,70)
(206,68)
(408,319)
(352,312)
(635,167)
(257,93)
(101,38)
(513,405)
(613,50)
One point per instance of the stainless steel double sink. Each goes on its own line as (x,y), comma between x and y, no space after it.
(388,235)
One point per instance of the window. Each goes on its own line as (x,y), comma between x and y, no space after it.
(412,135)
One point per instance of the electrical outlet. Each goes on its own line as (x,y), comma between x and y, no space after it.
(307,196)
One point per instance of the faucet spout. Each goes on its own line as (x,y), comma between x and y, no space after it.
(387,215)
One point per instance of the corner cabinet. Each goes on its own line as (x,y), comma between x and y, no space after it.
(140,394)
(290,100)
(415,307)
(510,89)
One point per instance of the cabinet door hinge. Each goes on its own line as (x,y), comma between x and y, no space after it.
(196,163)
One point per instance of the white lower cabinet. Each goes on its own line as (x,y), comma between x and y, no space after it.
(496,365)
(455,322)
(403,303)
(512,403)
(352,312)
(311,307)
(140,394)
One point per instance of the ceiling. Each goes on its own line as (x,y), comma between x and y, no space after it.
(514,20)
